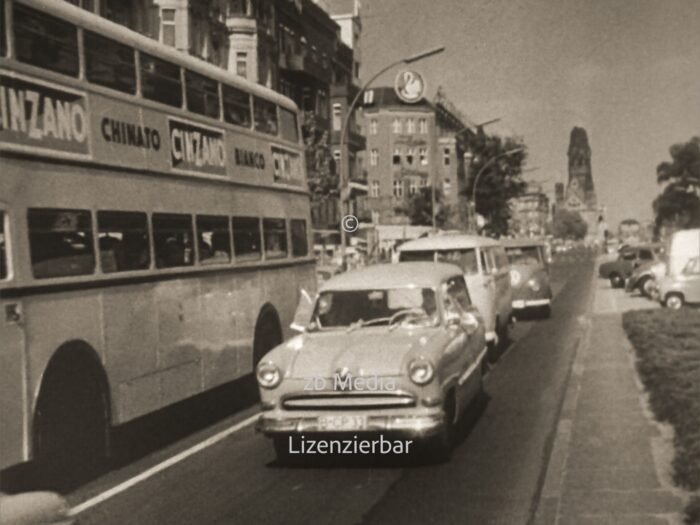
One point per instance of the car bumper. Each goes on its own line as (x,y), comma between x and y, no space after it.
(521,304)
(417,426)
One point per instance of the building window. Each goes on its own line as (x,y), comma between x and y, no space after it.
(446,186)
(411,125)
(396,125)
(374,189)
(242,64)
(423,154)
(423,125)
(373,157)
(337,117)
(412,187)
(396,158)
(373,126)
(409,156)
(398,188)
(167,17)
(446,156)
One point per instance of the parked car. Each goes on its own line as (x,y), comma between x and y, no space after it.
(628,259)
(645,277)
(682,246)
(410,328)
(485,266)
(529,276)
(676,290)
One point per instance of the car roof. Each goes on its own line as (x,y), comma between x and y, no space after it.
(383,276)
(522,242)
(448,242)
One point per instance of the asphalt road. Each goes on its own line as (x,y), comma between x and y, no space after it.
(494,475)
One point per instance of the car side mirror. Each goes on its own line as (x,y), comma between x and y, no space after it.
(304,311)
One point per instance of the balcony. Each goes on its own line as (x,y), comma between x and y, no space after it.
(354,140)
(304,65)
(241,24)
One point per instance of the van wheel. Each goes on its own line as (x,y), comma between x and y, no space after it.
(674,301)
(71,426)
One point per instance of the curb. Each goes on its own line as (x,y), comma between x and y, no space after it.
(34,508)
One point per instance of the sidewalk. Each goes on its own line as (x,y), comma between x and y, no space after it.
(610,462)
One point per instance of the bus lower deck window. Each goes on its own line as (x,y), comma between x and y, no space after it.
(275,233)
(122,238)
(44,41)
(213,239)
(172,240)
(246,238)
(60,242)
(160,81)
(300,241)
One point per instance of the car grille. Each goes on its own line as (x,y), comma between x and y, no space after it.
(349,401)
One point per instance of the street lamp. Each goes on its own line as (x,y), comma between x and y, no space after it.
(344,186)
(478,175)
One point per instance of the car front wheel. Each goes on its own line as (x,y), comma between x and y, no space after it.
(616,281)
(674,301)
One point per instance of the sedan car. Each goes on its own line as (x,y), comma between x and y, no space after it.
(529,276)
(628,259)
(394,350)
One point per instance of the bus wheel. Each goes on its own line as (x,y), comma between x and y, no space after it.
(268,334)
(71,425)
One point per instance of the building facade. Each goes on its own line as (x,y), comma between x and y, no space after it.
(530,213)
(409,147)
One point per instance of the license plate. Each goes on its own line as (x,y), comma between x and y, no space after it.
(342,422)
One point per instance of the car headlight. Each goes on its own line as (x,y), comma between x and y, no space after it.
(515,278)
(268,375)
(421,371)
(534,284)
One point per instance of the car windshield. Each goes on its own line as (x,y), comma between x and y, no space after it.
(529,255)
(465,258)
(358,308)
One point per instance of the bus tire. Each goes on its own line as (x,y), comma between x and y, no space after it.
(71,429)
(268,333)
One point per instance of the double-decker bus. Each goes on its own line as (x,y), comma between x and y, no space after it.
(154,229)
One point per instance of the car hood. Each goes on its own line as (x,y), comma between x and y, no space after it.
(365,351)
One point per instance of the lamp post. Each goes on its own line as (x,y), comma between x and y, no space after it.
(488,163)
(344,186)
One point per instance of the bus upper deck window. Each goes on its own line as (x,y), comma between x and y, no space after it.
(300,241)
(3,247)
(275,233)
(160,81)
(122,238)
(246,238)
(236,106)
(214,239)
(44,41)
(265,116)
(202,94)
(288,125)
(60,242)
(109,63)
(172,240)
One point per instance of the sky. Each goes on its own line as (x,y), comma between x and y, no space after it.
(628,71)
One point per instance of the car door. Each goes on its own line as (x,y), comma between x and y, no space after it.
(483,292)
(471,345)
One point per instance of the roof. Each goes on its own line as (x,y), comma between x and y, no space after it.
(384,276)
(519,243)
(448,242)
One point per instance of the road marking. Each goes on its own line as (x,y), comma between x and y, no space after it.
(160,467)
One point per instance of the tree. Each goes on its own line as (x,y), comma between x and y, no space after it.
(678,205)
(568,224)
(420,208)
(500,181)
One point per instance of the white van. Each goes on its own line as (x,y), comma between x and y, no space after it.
(683,246)
(486,270)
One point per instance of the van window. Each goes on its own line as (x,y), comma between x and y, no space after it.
(486,260)
(60,242)
(464,258)
(122,238)
(500,258)
(457,290)
(524,255)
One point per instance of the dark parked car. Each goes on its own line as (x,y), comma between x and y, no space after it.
(628,259)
